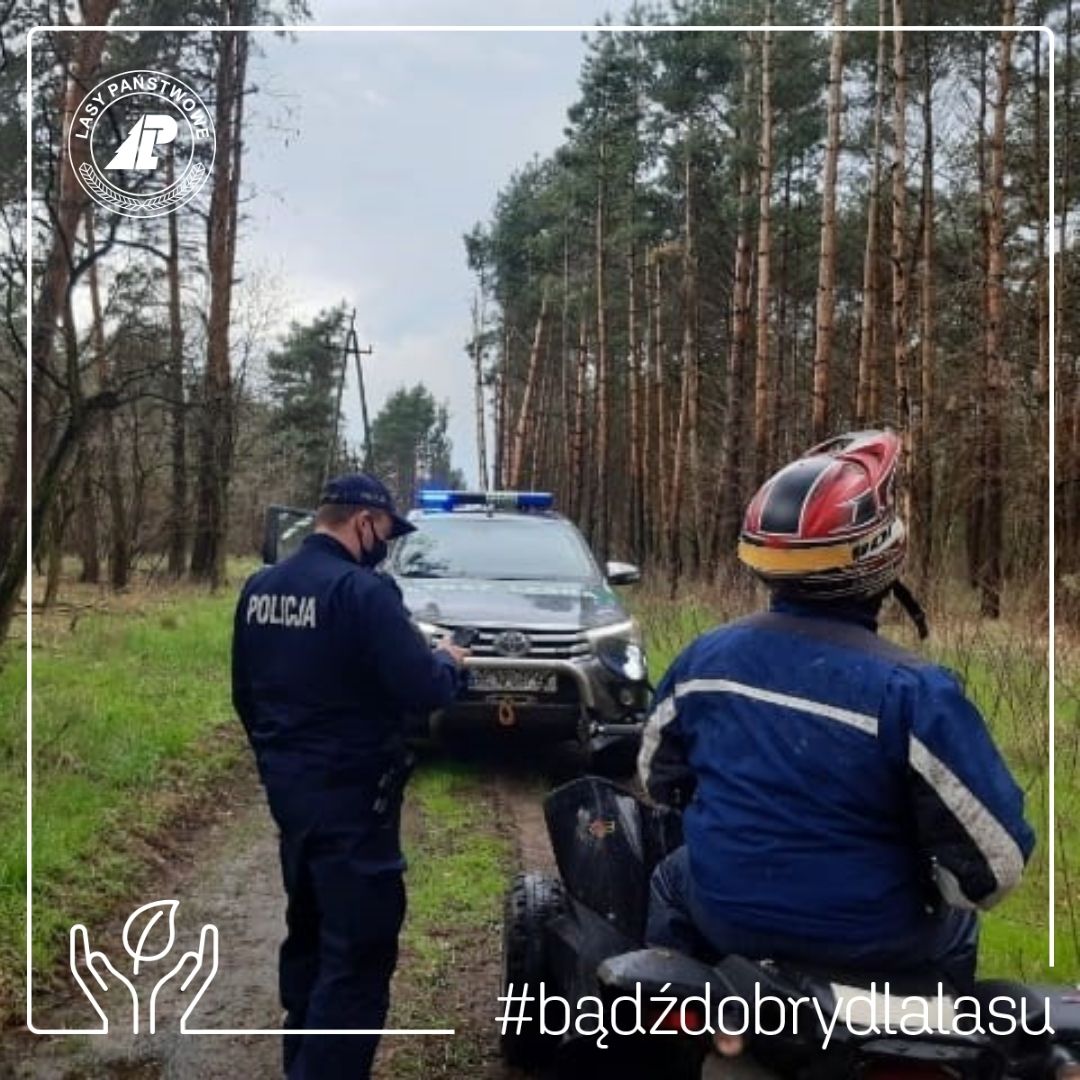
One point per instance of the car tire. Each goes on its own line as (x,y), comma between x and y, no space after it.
(532,900)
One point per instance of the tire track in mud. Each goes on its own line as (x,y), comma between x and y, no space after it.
(225,871)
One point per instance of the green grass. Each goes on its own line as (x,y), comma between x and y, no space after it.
(1003,667)
(459,867)
(131,719)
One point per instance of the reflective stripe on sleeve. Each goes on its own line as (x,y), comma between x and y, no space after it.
(1001,851)
(661,716)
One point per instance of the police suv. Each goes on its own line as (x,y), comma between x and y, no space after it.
(554,653)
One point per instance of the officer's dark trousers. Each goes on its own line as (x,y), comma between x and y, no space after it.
(345,911)
(947,943)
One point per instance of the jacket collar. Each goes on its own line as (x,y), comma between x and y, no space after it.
(327,543)
(841,610)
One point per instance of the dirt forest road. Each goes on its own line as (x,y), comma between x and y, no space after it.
(226,872)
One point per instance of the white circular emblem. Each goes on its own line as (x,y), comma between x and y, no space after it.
(512,643)
(134,126)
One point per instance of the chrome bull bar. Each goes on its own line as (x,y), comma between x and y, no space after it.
(576,671)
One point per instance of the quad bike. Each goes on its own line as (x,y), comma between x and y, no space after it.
(582,935)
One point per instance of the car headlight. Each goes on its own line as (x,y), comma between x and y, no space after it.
(618,647)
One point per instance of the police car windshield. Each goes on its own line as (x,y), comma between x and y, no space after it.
(494,549)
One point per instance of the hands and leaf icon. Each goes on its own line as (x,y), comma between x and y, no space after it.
(149,936)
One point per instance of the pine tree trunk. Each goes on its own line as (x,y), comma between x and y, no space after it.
(867,404)
(663,438)
(524,428)
(692,365)
(577,438)
(1042,305)
(826,292)
(924,464)
(565,420)
(762,368)
(178,509)
(603,390)
(89,538)
(55,519)
(478,392)
(216,436)
(650,448)
(540,427)
(785,435)
(119,528)
(977,508)
(901,372)
(998,374)
(54,545)
(637,439)
(899,224)
(730,469)
(674,520)
(501,394)
(1067,550)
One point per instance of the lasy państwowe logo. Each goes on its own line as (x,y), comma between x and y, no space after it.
(148,143)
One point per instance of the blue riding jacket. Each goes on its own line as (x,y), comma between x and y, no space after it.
(835,785)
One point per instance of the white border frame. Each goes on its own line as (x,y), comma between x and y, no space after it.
(487,29)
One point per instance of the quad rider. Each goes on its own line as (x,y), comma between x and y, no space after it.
(844,803)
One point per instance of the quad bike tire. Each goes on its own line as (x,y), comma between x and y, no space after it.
(532,900)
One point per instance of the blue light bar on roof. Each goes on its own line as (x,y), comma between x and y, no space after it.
(535,500)
(508,500)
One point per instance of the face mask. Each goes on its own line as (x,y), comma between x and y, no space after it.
(371,557)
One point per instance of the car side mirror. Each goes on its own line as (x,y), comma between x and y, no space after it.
(284,529)
(622,573)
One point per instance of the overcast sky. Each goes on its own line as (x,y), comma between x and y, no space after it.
(370,154)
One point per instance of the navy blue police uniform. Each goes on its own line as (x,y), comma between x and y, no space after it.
(325,665)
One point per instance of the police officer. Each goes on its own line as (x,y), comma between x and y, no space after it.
(325,665)
(845,803)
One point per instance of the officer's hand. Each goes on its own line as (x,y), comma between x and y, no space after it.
(455,652)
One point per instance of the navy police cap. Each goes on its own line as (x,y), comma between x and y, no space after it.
(359,489)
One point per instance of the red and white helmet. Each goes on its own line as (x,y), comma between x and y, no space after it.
(826,525)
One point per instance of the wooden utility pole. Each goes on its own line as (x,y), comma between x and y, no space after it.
(352,348)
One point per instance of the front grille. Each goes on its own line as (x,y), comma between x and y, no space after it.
(544,644)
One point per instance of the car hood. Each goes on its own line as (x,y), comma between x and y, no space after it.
(558,605)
